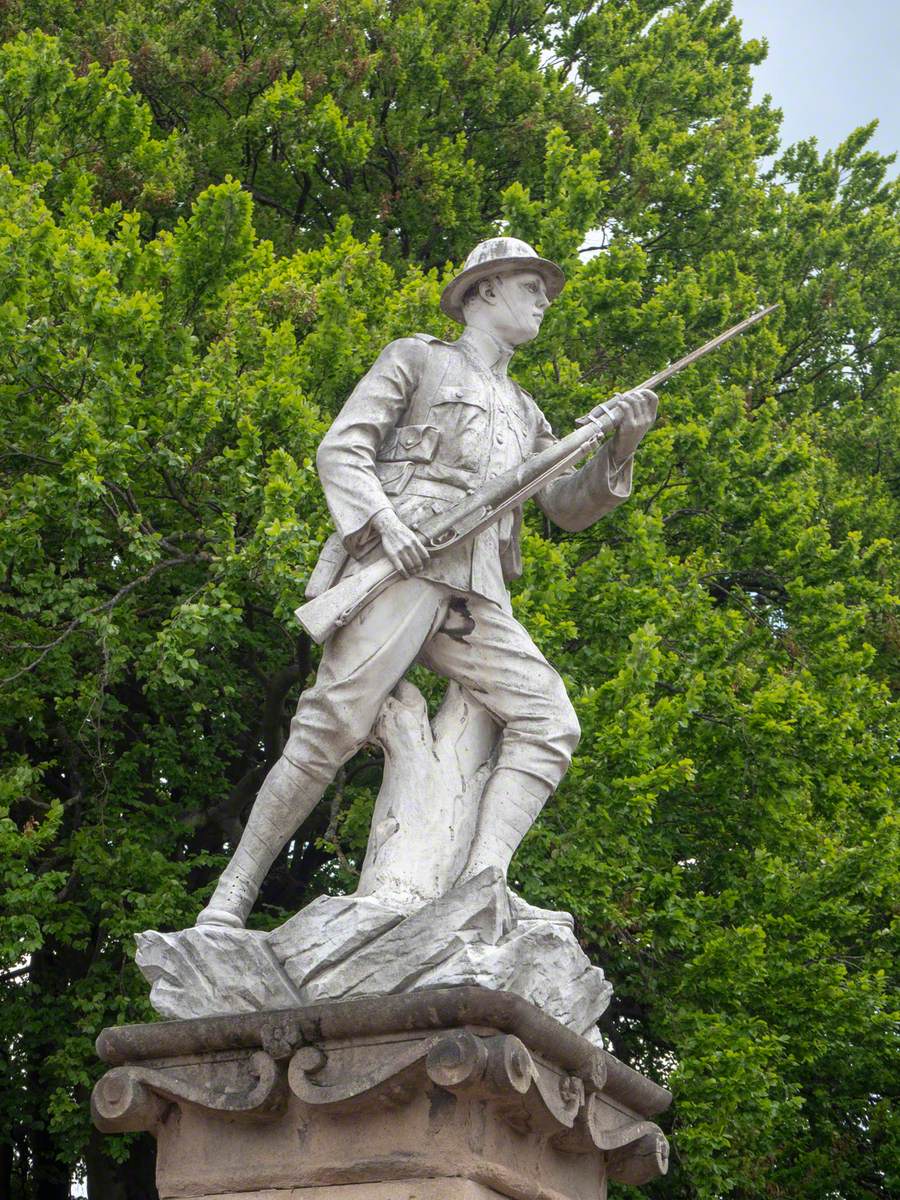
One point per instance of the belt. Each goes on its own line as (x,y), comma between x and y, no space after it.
(434,489)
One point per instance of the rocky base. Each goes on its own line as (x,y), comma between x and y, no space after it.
(447,1094)
(344,946)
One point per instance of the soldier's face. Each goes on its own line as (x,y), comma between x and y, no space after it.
(519,306)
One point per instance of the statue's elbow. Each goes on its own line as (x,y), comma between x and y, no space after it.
(326,457)
(567,505)
(571,520)
(579,523)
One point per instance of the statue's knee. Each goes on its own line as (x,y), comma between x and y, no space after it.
(322,739)
(563,728)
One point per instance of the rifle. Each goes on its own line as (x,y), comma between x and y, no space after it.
(470,515)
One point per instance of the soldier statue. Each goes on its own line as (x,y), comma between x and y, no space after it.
(429,423)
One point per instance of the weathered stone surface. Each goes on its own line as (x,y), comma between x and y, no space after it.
(434,774)
(327,932)
(200,971)
(434,935)
(407,926)
(418,1189)
(435,1094)
(541,962)
(342,946)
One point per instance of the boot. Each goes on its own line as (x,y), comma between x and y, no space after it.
(509,807)
(284,801)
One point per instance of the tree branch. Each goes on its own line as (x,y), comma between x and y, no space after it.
(105,607)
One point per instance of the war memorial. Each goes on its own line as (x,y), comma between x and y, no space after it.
(432,1036)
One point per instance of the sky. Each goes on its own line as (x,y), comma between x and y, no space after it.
(832,65)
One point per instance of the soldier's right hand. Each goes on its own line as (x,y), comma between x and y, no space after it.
(405,551)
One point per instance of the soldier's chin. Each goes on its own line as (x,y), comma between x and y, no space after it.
(528,332)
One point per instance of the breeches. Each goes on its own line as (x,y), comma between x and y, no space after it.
(461,637)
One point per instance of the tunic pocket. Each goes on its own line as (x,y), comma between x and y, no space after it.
(461,415)
(410,443)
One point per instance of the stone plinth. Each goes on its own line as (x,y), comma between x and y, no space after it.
(446,1094)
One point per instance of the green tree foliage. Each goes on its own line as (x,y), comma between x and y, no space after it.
(212,216)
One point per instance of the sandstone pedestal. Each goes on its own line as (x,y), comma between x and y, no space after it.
(444,1094)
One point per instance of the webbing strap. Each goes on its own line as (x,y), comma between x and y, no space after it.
(436,365)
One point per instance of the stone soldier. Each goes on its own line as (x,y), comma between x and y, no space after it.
(430,422)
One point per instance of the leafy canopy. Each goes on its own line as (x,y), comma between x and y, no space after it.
(212,217)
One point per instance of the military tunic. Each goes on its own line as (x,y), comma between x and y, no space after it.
(428,424)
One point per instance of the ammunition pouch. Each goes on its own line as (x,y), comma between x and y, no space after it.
(410,443)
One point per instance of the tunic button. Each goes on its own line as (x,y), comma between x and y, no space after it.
(458,393)
(499,439)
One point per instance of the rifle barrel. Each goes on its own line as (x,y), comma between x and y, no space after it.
(713,344)
(334,608)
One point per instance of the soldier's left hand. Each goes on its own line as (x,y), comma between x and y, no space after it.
(638,410)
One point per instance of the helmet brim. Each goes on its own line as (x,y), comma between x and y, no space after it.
(452,295)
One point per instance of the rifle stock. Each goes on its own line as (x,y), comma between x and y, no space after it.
(325,614)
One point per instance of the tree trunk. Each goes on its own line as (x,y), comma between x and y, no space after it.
(49,1177)
(426,811)
(6,1170)
(135,1179)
